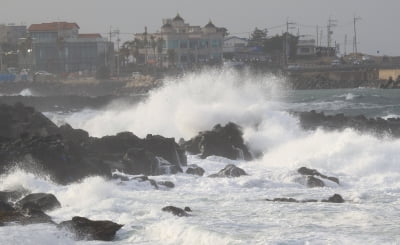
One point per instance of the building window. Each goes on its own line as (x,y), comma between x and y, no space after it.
(173,44)
(183,44)
(193,44)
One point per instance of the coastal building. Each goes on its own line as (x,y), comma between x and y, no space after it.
(306,48)
(59,47)
(233,44)
(182,45)
(10,34)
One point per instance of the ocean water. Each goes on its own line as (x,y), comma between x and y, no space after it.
(234,210)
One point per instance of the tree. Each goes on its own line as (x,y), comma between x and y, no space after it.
(257,37)
(275,44)
(224,31)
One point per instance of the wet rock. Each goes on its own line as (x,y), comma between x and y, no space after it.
(28,138)
(336,198)
(312,182)
(20,120)
(175,211)
(168,184)
(187,209)
(166,148)
(40,201)
(229,171)
(143,178)
(6,207)
(13,195)
(24,216)
(312,120)
(195,170)
(314,172)
(86,229)
(282,199)
(225,141)
(120,177)
(141,161)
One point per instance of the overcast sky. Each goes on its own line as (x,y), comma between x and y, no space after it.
(377,30)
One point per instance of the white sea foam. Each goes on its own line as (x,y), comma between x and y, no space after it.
(232,210)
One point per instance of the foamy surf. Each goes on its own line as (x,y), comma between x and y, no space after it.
(230,210)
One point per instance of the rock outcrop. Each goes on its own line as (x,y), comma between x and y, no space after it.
(86,229)
(225,141)
(195,170)
(39,201)
(312,120)
(176,211)
(29,138)
(336,198)
(229,171)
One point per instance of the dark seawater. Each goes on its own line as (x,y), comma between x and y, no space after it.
(234,210)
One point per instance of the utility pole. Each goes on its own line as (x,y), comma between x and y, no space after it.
(345,44)
(118,54)
(321,34)
(317,35)
(285,46)
(331,23)
(355,35)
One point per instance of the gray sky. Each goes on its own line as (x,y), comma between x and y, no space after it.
(378,29)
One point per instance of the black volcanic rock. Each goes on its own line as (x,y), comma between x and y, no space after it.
(175,211)
(19,120)
(225,141)
(166,148)
(314,172)
(336,198)
(312,120)
(312,182)
(6,207)
(195,170)
(229,171)
(12,195)
(30,139)
(86,229)
(40,201)
(168,184)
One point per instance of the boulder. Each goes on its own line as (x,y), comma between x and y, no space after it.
(6,207)
(312,120)
(12,195)
(166,148)
(229,171)
(336,198)
(225,141)
(40,201)
(143,178)
(20,120)
(314,172)
(195,170)
(24,216)
(28,138)
(175,211)
(312,182)
(168,184)
(86,229)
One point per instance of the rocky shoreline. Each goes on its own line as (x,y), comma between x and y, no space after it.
(68,155)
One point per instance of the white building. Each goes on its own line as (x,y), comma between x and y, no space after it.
(306,48)
(182,45)
(234,44)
